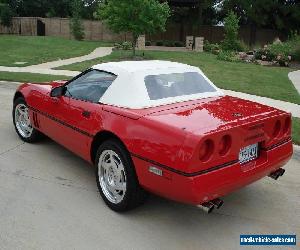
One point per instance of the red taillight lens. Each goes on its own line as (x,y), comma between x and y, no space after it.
(287,125)
(224,145)
(277,128)
(206,150)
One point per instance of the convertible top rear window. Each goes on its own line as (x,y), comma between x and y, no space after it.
(176,84)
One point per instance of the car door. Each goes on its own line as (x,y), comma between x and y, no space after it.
(79,113)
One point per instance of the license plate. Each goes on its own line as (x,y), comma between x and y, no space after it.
(248,153)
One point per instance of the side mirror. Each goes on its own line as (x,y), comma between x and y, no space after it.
(57,92)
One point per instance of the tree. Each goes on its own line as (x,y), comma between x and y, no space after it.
(89,8)
(75,22)
(231,40)
(135,16)
(62,8)
(6,14)
(282,15)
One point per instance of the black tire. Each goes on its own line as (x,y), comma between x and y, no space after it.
(134,195)
(35,135)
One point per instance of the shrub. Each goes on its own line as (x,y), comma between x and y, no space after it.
(296,53)
(295,44)
(178,44)
(117,46)
(159,43)
(264,54)
(211,47)
(76,25)
(148,43)
(207,46)
(276,52)
(169,43)
(123,46)
(227,55)
(280,48)
(231,41)
(126,45)
(77,28)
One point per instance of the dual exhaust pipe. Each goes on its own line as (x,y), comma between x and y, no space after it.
(209,206)
(276,174)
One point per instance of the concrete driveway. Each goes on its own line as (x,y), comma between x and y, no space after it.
(49,200)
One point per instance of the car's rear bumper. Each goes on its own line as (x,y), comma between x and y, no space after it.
(204,187)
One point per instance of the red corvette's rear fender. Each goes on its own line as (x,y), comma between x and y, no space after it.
(199,188)
(147,138)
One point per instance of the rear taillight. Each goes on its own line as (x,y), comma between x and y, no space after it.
(206,150)
(276,129)
(225,145)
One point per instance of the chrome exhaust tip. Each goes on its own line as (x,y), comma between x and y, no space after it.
(217,203)
(207,207)
(276,174)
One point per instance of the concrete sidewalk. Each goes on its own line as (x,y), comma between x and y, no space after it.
(48,68)
(39,71)
(295,79)
(286,106)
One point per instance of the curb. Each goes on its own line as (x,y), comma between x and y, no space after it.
(296,147)
(10,82)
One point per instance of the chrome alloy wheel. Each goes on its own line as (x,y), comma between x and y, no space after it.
(112,176)
(22,120)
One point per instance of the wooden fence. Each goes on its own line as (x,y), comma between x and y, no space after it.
(215,34)
(29,26)
(96,30)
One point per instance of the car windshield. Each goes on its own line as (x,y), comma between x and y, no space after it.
(176,84)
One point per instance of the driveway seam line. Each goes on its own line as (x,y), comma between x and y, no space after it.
(11,149)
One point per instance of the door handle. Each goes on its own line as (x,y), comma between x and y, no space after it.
(86,114)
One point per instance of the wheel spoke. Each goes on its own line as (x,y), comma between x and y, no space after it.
(21,111)
(105,165)
(117,195)
(121,173)
(111,157)
(121,186)
(111,189)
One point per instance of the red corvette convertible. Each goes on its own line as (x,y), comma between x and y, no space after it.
(159,127)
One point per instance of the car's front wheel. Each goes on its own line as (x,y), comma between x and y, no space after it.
(22,122)
(116,177)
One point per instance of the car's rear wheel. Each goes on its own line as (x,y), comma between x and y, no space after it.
(116,177)
(22,122)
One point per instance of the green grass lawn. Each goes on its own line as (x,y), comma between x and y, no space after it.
(35,49)
(29,77)
(253,79)
(296,130)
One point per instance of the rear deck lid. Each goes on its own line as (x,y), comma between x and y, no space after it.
(211,114)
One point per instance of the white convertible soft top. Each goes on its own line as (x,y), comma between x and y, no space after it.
(129,89)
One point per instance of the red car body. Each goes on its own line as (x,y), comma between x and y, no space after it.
(170,137)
